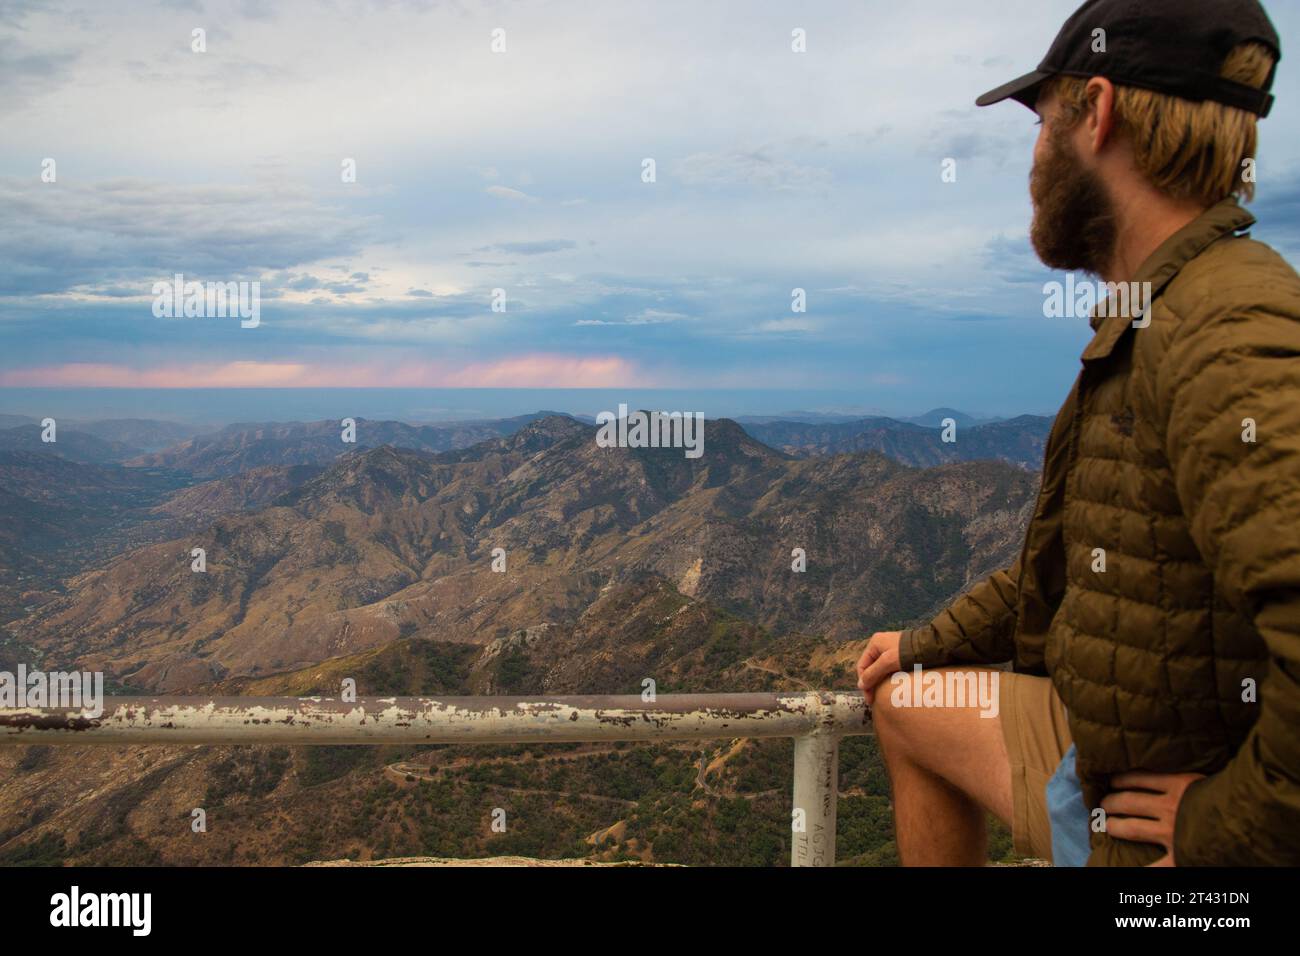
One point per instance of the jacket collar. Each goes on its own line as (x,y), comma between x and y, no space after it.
(1222,219)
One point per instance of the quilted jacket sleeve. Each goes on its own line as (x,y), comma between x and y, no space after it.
(1243,503)
(978,628)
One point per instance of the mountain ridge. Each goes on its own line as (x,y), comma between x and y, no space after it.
(389,542)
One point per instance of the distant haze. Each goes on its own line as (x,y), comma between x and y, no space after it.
(223,406)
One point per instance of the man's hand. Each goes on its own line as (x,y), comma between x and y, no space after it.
(878,661)
(1146,814)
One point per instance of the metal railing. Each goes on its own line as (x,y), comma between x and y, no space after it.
(816,721)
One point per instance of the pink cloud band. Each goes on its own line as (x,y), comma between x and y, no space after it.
(537,370)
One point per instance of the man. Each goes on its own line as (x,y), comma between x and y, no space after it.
(1153,617)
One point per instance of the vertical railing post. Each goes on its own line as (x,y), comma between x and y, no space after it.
(816,787)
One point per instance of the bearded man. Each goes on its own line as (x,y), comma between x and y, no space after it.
(1152,620)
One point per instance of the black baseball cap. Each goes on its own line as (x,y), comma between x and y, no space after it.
(1169,46)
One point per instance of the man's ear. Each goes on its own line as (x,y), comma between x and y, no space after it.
(1100,119)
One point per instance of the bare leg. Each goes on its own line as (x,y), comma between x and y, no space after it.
(948,765)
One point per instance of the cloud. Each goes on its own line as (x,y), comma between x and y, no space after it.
(13,12)
(98,375)
(755,168)
(547,371)
(219,71)
(534,370)
(1012,259)
(27,73)
(257,9)
(644,317)
(345,288)
(1277,205)
(776,171)
(64,236)
(800,326)
(505,192)
(534,248)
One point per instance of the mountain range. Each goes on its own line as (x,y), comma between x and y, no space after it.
(1019,440)
(393,542)
(749,568)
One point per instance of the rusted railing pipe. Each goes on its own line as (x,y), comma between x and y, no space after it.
(815,720)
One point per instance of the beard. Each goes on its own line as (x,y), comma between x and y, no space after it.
(1074,219)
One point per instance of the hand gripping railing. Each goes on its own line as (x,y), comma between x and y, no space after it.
(816,721)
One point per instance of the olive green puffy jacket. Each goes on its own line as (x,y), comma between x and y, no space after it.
(1175,466)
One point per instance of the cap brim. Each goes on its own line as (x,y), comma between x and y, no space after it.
(1023,90)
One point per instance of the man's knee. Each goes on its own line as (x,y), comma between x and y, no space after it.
(936,710)
(935,722)
(890,714)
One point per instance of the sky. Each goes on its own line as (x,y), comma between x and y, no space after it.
(522,170)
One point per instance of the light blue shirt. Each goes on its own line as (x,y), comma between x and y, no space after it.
(1068,815)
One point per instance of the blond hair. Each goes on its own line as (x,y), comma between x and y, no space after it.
(1186,149)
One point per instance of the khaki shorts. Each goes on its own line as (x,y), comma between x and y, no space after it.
(1037,737)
